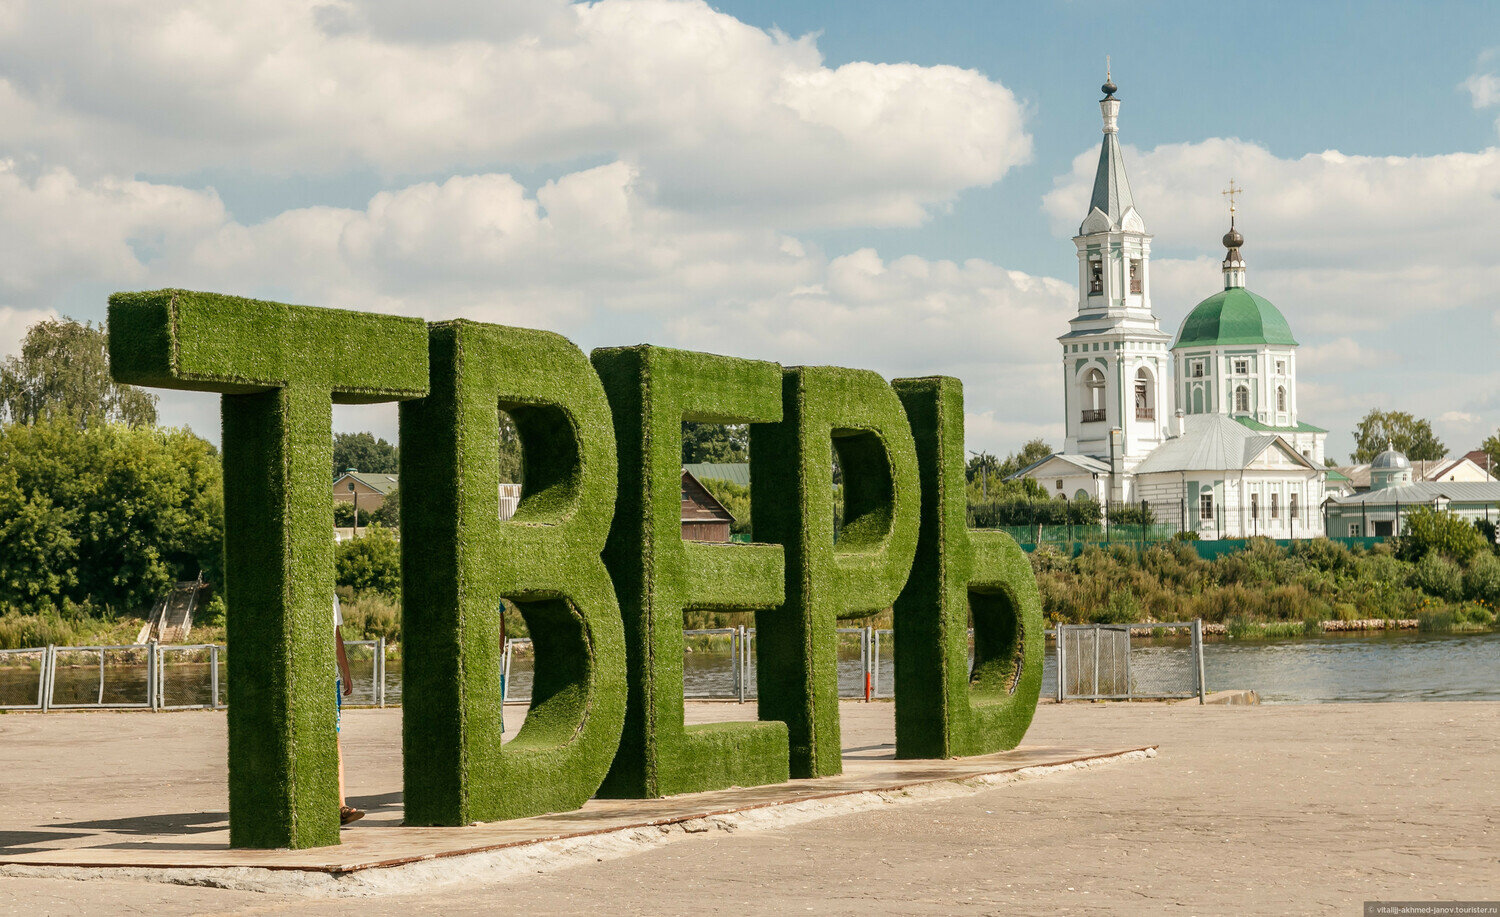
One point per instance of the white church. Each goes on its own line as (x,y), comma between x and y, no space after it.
(1204,426)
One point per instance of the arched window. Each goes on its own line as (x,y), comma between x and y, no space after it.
(1281,397)
(1096,276)
(1093,404)
(1081,495)
(1145,402)
(1242,399)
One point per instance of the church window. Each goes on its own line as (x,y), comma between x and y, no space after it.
(1291,507)
(1096,276)
(1281,397)
(1059,484)
(1280,367)
(1241,367)
(1255,506)
(1206,505)
(1135,275)
(1094,382)
(1144,408)
(1242,399)
(1197,369)
(1275,506)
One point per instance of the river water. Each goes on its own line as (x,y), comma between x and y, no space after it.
(1396,666)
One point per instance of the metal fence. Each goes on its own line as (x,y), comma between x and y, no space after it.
(150,676)
(719,665)
(727,671)
(1103,662)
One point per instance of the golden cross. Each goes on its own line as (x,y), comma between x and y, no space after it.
(1230,194)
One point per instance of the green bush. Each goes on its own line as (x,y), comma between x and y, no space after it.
(1436,575)
(370,563)
(1482,580)
(1426,531)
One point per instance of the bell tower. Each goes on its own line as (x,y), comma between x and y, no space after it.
(1115,355)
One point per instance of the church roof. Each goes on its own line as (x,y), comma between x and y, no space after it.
(1300,427)
(1211,442)
(1234,316)
(1111,187)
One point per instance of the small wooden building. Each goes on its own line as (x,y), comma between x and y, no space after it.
(704,518)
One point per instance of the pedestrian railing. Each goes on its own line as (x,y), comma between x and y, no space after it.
(1102,662)
(720,665)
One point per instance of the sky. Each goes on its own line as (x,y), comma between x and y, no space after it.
(879,184)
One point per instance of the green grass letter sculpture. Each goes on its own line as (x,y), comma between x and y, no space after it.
(606,713)
(657,575)
(459,560)
(280,369)
(854,412)
(943,708)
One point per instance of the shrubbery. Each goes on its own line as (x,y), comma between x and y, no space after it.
(1315,580)
(104,518)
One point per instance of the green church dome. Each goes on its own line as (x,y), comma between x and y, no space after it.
(1234,316)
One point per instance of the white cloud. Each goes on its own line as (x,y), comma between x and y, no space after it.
(56,230)
(13,325)
(1484,89)
(719,116)
(1343,355)
(589,254)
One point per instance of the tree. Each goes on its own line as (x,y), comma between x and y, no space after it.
(1491,448)
(736,499)
(63,373)
(1031,453)
(389,513)
(105,515)
(371,563)
(712,442)
(363,452)
(1411,436)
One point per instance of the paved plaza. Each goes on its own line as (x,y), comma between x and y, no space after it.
(1291,809)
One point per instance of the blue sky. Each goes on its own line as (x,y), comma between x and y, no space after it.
(879,184)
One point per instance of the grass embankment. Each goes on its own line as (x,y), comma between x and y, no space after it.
(1267,590)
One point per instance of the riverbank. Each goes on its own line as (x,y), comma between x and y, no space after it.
(1245,810)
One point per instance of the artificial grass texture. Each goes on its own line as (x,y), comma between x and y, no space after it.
(855,412)
(943,708)
(458,562)
(280,369)
(658,576)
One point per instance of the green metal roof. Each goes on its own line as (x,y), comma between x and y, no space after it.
(1301,427)
(1335,475)
(733,472)
(1234,316)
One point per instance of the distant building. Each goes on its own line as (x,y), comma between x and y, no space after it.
(1219,450)
(366,490)
(704,518)
(1466,469)
(1395,489)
